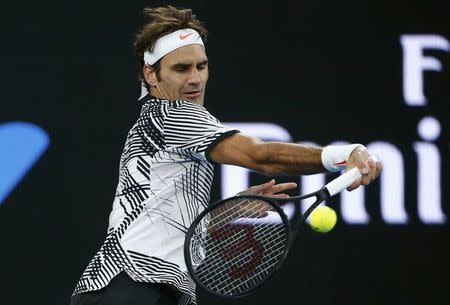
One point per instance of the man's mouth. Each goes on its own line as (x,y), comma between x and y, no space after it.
(193,94)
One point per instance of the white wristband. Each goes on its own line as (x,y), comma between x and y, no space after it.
(334,157)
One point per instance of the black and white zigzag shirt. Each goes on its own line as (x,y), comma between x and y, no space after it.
(164,183)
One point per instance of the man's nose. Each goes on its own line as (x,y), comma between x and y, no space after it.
(194,76)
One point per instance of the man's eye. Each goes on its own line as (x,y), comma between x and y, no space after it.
(180,68)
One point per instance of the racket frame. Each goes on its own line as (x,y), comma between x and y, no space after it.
(292,227)
(330,189)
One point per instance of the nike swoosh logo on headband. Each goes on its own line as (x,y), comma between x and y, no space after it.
(183,37)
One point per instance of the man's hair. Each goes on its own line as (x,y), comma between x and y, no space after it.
(163,21)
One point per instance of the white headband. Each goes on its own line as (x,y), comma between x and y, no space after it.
(170,42)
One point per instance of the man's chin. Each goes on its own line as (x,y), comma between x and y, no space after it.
(194,98)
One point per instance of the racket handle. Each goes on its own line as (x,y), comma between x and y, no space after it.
(343,181)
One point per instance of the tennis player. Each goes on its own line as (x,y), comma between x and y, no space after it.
(166,169)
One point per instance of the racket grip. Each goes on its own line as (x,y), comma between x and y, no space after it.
(343,181)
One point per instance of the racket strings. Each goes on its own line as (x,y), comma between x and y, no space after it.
(243,257)
(224,216)
(235,248)
(275,240)
(235,209)
(202,236)
(259,275)
(227,284)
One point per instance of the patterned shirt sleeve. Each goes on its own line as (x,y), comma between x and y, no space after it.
(191,127)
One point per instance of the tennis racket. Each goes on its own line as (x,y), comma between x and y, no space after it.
(236,244)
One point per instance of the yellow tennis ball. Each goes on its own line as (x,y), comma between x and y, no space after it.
(322,219)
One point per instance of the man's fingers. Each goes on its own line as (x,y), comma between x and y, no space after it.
(369,166)
(366,179)
(358,158)
(354,185)
(279,195)
(374,172)
(261,188)
(270,189)
(282,187)
(379,167)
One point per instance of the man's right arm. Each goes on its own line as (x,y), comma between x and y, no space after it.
(276,158)
(270,158)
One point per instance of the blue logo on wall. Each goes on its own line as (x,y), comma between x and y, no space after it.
(21,146)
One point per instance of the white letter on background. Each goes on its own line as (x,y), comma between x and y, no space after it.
(234,179)
(414,63)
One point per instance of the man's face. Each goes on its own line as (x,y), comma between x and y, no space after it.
(183,75)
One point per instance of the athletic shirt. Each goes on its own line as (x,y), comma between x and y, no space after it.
(164,183)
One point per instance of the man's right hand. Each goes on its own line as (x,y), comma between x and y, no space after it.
(369,166)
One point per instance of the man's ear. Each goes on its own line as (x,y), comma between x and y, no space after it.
(149,75)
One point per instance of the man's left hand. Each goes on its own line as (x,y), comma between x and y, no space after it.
(270,189)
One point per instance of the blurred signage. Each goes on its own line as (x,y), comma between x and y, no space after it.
(392,180)
(21,146)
